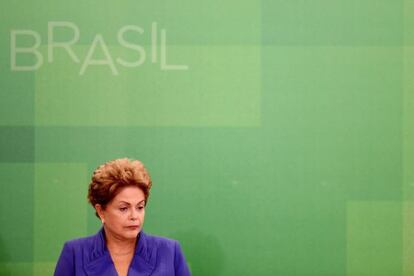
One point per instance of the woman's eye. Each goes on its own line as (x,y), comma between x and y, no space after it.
(123,209)
(140,207)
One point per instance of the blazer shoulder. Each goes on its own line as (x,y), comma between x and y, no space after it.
(169,254)
(160,242)
(70,256)
(81,243)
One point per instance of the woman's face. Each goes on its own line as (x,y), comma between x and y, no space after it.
(123,216)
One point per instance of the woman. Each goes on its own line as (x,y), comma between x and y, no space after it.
(119,193)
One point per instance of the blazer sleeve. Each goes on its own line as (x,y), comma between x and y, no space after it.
(65,265)
(181,268)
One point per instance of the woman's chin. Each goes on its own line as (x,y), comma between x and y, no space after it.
(131,234)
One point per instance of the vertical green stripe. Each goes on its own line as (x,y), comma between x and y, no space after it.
(408,138)
(408,124)
(16,212)
(408,22)
(374,238)
(59,207)
(408,155)
(408,239)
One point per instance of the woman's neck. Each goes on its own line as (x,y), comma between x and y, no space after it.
(119,246)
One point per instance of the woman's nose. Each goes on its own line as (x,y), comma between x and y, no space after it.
(134,214)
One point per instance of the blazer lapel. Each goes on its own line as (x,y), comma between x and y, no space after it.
(144,259)
(100,262)
(139,267)
(101,266)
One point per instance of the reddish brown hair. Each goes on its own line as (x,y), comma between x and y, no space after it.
(109,178)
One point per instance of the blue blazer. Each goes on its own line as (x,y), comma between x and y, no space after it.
(155,256)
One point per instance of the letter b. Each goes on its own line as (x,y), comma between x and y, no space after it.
(27,50)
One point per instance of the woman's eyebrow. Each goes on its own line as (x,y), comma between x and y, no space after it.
(126,202)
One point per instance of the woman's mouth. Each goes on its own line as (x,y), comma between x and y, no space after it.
(132,227)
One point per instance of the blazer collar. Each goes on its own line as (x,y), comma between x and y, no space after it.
(100,263)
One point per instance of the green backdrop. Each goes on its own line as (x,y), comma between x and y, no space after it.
(279,134)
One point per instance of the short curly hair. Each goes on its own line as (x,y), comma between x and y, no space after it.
(110,177)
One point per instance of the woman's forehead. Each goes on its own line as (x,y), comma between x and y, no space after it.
(130,195)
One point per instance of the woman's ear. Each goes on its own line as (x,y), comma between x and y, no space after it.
(100,212)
